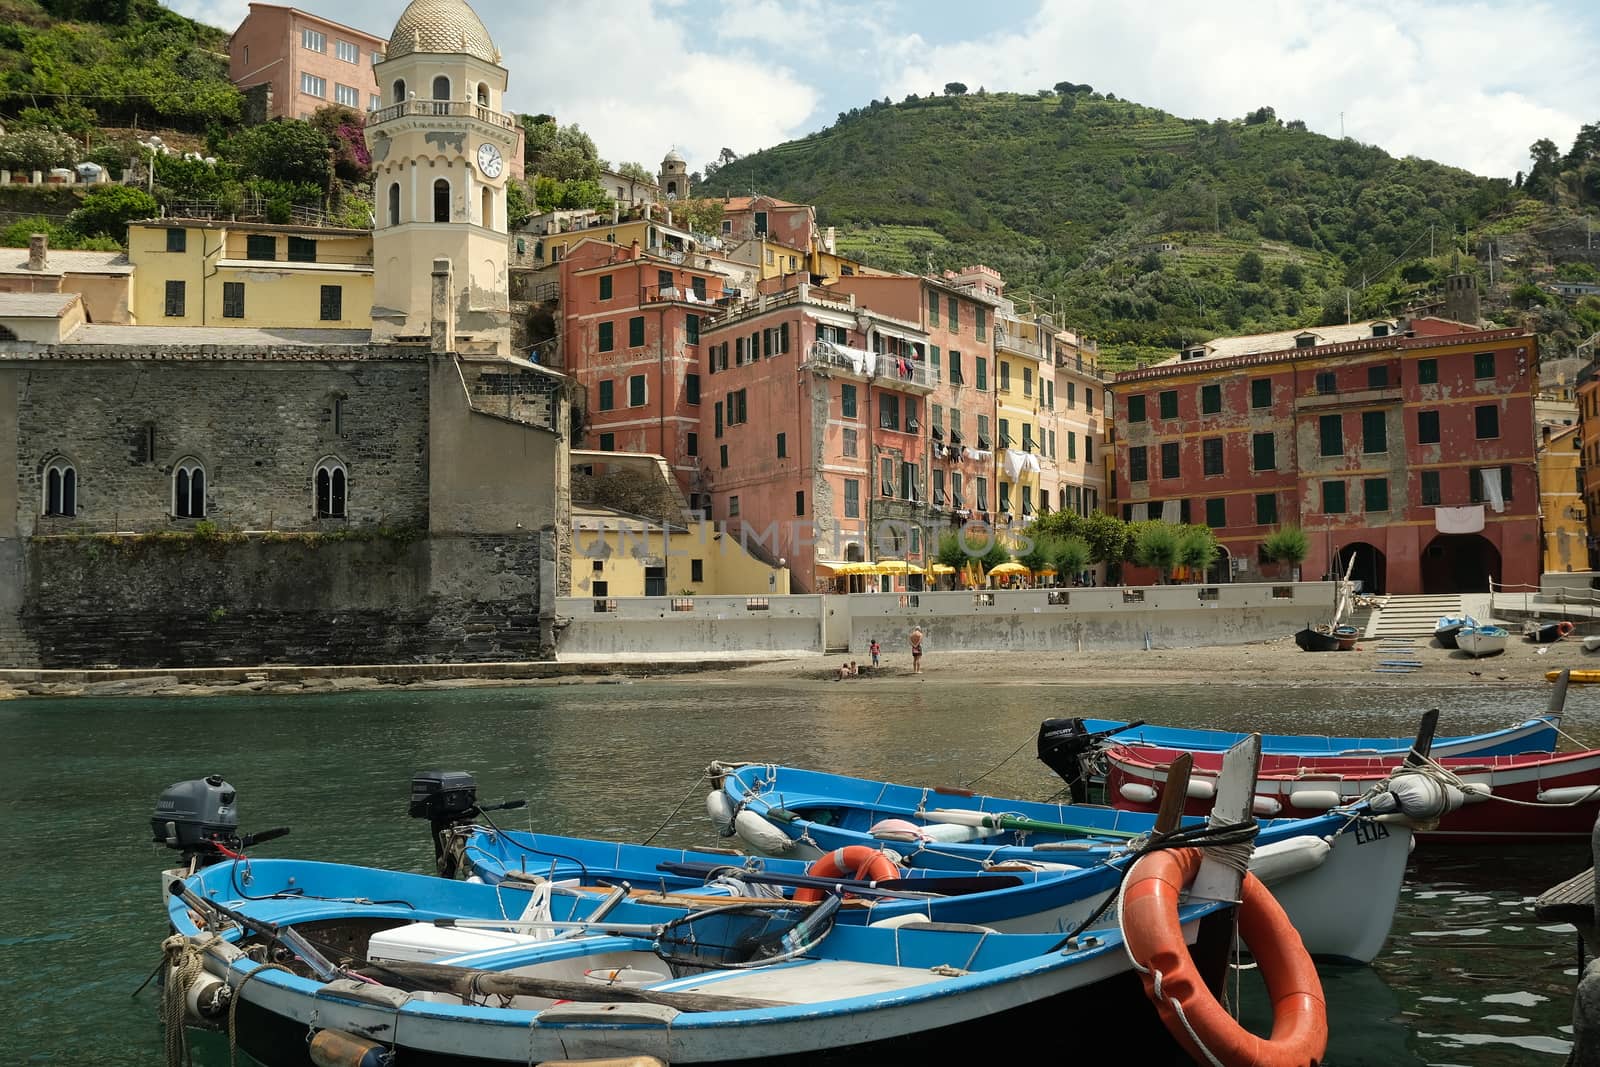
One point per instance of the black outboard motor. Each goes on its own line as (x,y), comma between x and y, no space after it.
(1066,747)
(199,819)
(448,799)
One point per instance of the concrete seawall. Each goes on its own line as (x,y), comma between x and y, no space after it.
(1172,616)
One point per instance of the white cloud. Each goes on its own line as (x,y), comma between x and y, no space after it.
(1466,84)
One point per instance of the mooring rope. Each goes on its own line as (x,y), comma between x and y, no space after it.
(184,963)
(233,1008)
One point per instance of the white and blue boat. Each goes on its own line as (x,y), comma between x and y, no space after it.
(370,966)
(1337,875)
(1448,627)
(1483,640)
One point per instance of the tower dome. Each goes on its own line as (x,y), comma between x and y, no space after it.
(448,27)
(673,157)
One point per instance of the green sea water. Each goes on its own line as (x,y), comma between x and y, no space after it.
(1469,977)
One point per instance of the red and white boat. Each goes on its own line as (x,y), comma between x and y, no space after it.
(1531,796)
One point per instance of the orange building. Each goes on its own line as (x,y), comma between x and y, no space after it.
(308,61)
(1406,446)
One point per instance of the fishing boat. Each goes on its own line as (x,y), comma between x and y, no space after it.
(1347,636)
(369,966)
(1546,633)
(1482,640)
(1529,797)
(1449,626)
(1338,877)
(1312,639)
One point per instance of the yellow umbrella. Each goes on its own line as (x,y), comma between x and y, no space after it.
(1008,569)
(942,568)
(891,566)
(847,569)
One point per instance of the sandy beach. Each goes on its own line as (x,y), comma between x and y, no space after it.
(1276,662)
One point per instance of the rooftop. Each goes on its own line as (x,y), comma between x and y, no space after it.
(303,13)
(745,203)
(15,261)
(202,222)
(1250,344)
(35,305)
(445,27)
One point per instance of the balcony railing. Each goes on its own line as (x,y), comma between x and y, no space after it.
(881,366)
(441,109)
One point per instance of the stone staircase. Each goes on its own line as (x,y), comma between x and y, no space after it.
(1412,616)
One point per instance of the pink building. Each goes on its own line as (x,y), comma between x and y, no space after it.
(307,61)
(815,434)
(631,328)
(748,217)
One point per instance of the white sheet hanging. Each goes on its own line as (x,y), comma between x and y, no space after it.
(1012,463)
(1170,511)
(1460,520)
(1490,476)
(1030,462)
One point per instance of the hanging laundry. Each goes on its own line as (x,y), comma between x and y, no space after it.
(1462,520)
(1490,477)
(1169,511)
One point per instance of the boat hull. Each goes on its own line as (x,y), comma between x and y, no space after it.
(1448,636)
(1532,735)
(1295,784)
(1311,640)
(1549,633)
(1482,641)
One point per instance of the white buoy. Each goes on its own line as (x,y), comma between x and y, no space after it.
(1265,807)
(720,807)
(1283,859)
(1314,799)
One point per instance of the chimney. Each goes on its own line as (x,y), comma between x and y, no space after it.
(38,251)
(635,248)
(444,308)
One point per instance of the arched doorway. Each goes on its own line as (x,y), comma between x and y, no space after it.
(1369,568)
(1221,569)
(1459,563)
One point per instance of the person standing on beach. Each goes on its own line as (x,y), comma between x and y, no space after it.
(916,650)
(875,649)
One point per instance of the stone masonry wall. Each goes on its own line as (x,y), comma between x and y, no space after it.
(260,428)
(187,602)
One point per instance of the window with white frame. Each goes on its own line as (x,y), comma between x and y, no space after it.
(189,489)
(60,488)
(314,40)
(331,481)
(348,95)
(374,102)
(312,85)
(377,57)
(345,50)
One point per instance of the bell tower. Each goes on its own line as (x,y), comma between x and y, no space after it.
(439,147)
(674,181)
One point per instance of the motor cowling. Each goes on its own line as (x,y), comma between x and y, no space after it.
(1066,746)
(192,816)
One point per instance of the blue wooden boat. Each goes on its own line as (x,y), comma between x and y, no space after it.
(376,966)
(1337,875)
(1064,737)
(1482,640)
(1448,626)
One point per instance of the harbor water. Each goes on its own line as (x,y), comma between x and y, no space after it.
(1468,977)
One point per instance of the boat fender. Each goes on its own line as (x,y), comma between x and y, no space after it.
(1202,788)
(207,998)
(1137,792)
(720,807)
(897,830)
(1418,796)
(1569,794)
(1314,799)
(761,835)
(955,833)
(1153,936)
(335,1048)
(1474,792)
(1265,807)
(1284,859)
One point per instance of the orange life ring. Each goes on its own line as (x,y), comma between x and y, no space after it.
(860,862)
(1154,940)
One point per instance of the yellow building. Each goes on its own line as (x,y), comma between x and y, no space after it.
(1023,398)
(208,272)
(615,554)
(1562,514)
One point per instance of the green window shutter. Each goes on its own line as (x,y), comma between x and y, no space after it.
(1261,393)
(1210,399)
(605,287)
(1374,432)
(1333,498)
(1331,430)
(1264,450)
(1266,509)
(1136,409)
(607,338)
(1217,512)
(1375,494)
(636,331)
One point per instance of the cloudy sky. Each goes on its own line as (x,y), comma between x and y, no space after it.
(1467,83)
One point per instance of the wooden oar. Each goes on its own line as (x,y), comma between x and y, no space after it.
(912,888)
(1174,795)
(471,982)
(1424,742)
(1558,695)
(991,821)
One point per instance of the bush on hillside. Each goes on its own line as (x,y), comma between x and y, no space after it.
(284,150)
(107,210)
(17,233)
(36,149)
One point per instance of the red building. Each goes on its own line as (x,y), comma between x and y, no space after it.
(1407,446)
(631,326)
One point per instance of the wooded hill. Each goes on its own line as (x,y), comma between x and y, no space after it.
(1143,229)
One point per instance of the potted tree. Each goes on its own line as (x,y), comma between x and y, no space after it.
(1197,550)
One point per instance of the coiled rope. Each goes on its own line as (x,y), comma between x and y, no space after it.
(233,1008)
(185,963)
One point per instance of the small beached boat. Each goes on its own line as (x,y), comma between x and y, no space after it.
(1482,640)
(1592,643)
(1579,677)
(1532,797)
(1448,626)
(1546,633)
(1311,639)
(1338,879)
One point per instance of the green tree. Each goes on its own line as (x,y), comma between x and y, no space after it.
(1197,548)
(1106,535)
(518,207)
(1039,555)
(283,150)
(107,210)
(636,171)
(1250,267)
(1156,545)
(1287,546)
(1071,557)
(1541,179)
(952,553)
(954,89)
(551,194)
(994,555)
(1293,277)
(563,153)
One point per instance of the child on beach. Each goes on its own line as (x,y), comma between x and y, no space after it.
(874,648)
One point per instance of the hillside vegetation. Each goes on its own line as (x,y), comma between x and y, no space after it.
(1144,229)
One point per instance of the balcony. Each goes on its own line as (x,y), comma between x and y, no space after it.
(1016,345)
(463,109)
(1347,398)
(880,367)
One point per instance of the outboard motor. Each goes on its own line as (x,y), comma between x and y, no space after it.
(448,799)
(1066,747)
(200,819)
